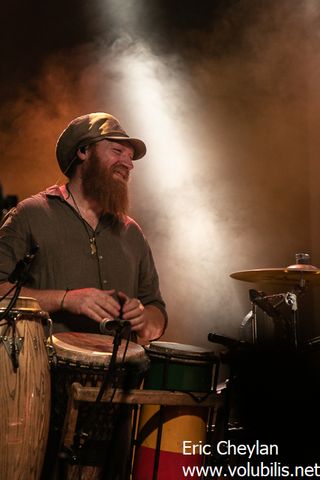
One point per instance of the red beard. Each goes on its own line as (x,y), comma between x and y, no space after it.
(99,184)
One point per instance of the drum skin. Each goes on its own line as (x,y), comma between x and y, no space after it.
(173,367)
(93,350)
(24,395)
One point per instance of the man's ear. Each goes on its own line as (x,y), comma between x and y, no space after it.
(82,153)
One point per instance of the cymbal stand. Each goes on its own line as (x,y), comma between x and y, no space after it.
(251,317)
(291,301)
(261,300)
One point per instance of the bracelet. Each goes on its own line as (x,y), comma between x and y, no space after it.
(62,300)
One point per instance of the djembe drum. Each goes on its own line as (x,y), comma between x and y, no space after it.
(85,358)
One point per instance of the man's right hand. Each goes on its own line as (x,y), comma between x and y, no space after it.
(92,302)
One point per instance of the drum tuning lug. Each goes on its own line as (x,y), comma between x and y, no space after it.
(53,361)
(13,345)
(11,342)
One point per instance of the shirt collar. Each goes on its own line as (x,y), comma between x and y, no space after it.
(54,191)
(105,220)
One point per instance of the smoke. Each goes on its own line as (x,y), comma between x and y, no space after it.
(227,106)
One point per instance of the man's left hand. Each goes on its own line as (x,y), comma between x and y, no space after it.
(133,310)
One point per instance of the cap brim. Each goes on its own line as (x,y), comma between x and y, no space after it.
(139,146)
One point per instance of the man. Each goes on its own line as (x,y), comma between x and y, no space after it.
(92,257)
(93,263)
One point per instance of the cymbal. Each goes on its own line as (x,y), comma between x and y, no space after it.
(298,274)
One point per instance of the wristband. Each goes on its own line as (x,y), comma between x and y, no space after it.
(62,300)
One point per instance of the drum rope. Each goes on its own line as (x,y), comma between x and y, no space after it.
(82,437)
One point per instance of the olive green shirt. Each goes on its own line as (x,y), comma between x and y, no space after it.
(123,259)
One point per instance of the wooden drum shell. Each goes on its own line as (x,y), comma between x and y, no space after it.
(24,394)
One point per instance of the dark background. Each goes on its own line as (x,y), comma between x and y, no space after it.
(226,96)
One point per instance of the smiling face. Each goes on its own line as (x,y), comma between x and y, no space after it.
(105,175)
(116,157)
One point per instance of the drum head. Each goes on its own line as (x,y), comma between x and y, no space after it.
(179,350)
(93,349)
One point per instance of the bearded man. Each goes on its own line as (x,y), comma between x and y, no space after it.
(93,261)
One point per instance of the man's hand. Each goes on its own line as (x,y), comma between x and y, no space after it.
(133,310)
(148,321)
(93,303)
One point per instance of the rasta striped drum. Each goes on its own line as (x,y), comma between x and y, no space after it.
(25,390)
(180,367)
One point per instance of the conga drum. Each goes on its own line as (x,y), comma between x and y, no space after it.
(176,367)
(85,358)
(25,390)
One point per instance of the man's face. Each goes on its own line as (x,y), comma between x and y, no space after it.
(116,157)
(105,175)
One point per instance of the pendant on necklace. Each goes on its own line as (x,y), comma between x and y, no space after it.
(93,246)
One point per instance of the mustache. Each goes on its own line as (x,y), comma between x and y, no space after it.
(122,169)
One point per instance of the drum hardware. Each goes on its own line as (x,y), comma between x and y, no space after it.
(263,301)
(270,304)
(53,360)
(13,346)
(312,344)
(251,318)
(300,276)
(18,277)
(12,340)
(14,343)
(291,300)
